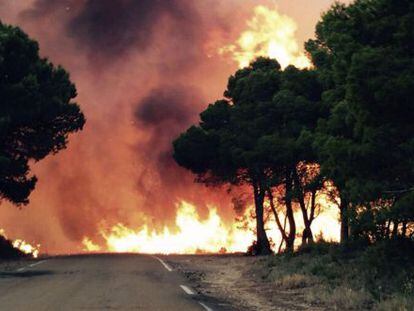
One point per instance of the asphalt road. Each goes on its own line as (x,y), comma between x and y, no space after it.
(96,282)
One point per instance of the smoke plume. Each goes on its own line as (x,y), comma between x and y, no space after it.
(144,70)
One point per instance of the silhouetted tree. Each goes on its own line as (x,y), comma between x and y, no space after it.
(261,135)
(287,146)
(36,111)
(224,147)
(364,53)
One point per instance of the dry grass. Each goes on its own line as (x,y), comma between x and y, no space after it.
(340,298)
(320,277)
(377,277)
(295,281)
(397,303)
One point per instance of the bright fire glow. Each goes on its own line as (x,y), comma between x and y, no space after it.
(195,235)
(90,246)
(268,34)
(26,248)
(23,245)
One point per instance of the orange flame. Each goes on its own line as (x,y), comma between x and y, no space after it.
(195,235)
(23,246)
(270,34)
(26,248)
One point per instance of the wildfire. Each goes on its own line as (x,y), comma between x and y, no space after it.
(90,246)
(268,34)
(26,248)
(23,246)
(194,235)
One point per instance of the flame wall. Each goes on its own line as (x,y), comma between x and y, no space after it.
(144,70)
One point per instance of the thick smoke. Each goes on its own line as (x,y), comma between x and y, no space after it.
(168,106)
(114,29)
(165,112)
(144,69)
(108,30)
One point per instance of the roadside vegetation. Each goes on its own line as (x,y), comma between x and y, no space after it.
(351,277)
(343,129)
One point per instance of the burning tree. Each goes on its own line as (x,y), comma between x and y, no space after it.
(289,120)
(223,148)
(36,111)
(259,135)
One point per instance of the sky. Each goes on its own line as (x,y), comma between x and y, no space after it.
(144,70)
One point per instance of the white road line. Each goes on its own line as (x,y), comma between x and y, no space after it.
(187,290)
(37,263)
(166,266)
(31,265)
(205,306)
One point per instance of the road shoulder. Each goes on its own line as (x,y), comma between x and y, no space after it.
(236,281)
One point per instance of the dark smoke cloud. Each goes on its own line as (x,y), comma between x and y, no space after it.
(126,58)
(111,28)
(175,105)
(44,8)
(135,64)
(164,113)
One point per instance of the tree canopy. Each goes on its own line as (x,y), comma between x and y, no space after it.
(224,147)
(257,136)
(36,111)
(343,128)
(364,54)
(368,70)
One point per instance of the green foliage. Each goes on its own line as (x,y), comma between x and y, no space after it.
(351,114)
(289,117)
(224,147)
(260,133)
(372,274)
(365,56)
(36,111)
(388,268)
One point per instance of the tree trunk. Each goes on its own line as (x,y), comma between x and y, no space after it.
(263,245)
(404,229)
(283,240)
(276,215)
(290,242)
(344,221)
(312,214)
(307,235)
(395,228)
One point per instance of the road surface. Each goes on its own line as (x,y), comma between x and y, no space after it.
(97,282)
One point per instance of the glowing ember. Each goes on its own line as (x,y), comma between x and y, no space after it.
(23,245)
(26,247)
(90,246)
(268,34)
(194,235)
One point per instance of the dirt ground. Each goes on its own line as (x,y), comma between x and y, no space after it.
(239,281)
